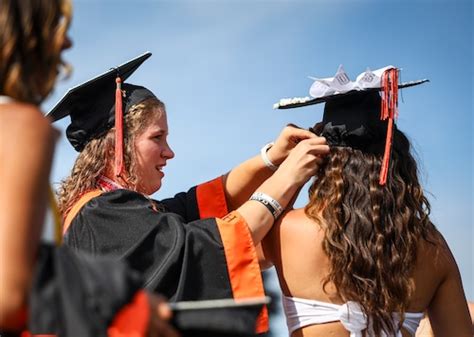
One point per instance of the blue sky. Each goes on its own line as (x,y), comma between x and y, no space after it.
(220,65)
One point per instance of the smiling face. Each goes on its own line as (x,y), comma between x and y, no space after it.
(152,152)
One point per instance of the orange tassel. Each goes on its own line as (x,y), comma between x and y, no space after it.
(386,156)
(384,107)
(389,110)
(118,129)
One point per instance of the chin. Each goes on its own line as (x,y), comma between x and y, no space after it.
(149,189)
(155,188)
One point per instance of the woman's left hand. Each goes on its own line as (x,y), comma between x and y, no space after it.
(289,137)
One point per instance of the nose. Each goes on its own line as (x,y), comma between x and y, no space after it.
(167,152)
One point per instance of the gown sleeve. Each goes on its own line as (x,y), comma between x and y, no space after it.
(206,200)
(179,255)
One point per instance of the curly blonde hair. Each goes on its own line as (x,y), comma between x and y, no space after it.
(372,232)
(98,153)
(32,36)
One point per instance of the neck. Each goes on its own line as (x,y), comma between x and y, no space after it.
(109,174)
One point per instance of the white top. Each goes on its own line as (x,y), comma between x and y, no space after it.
(5,99)
(301,312)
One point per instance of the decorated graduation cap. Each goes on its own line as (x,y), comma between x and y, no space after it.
(98,104)
(359,114)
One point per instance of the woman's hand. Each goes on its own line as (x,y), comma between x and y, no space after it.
(242,181)
(303,161)
(289,137)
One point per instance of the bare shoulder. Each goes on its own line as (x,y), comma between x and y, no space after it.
(290,217)
(29,133)
(287,233)
(436,251)
(25,117)
(19,111)
(285,224)
(295,225)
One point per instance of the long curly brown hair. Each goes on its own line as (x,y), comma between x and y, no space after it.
(98,153)
(371,231)
(32,34)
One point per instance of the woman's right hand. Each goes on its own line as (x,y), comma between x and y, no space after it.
(303,161)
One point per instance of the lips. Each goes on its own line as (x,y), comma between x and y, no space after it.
(159,168)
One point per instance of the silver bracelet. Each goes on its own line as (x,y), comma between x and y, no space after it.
(266,160)
(271,204)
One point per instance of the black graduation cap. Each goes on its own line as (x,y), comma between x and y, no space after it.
(357,114)
(219,318)
(96,105)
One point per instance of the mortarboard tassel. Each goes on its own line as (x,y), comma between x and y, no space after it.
(388,111)
(118,128)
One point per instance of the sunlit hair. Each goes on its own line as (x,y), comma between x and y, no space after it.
(371,231)
(94,159)
(32,34)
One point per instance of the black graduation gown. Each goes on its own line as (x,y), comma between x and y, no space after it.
(76,294)
(180,254)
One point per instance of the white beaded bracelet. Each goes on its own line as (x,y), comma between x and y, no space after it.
(266,160)
(271,204)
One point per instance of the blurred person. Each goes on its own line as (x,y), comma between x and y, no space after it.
(42,288)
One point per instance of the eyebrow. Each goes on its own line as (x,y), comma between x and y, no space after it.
(159,131)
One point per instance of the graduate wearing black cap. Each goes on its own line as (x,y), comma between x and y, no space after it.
(362,257)
(188,247)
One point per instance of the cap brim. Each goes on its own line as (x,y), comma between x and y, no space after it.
(225,317)
(335,96)
(71,97)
